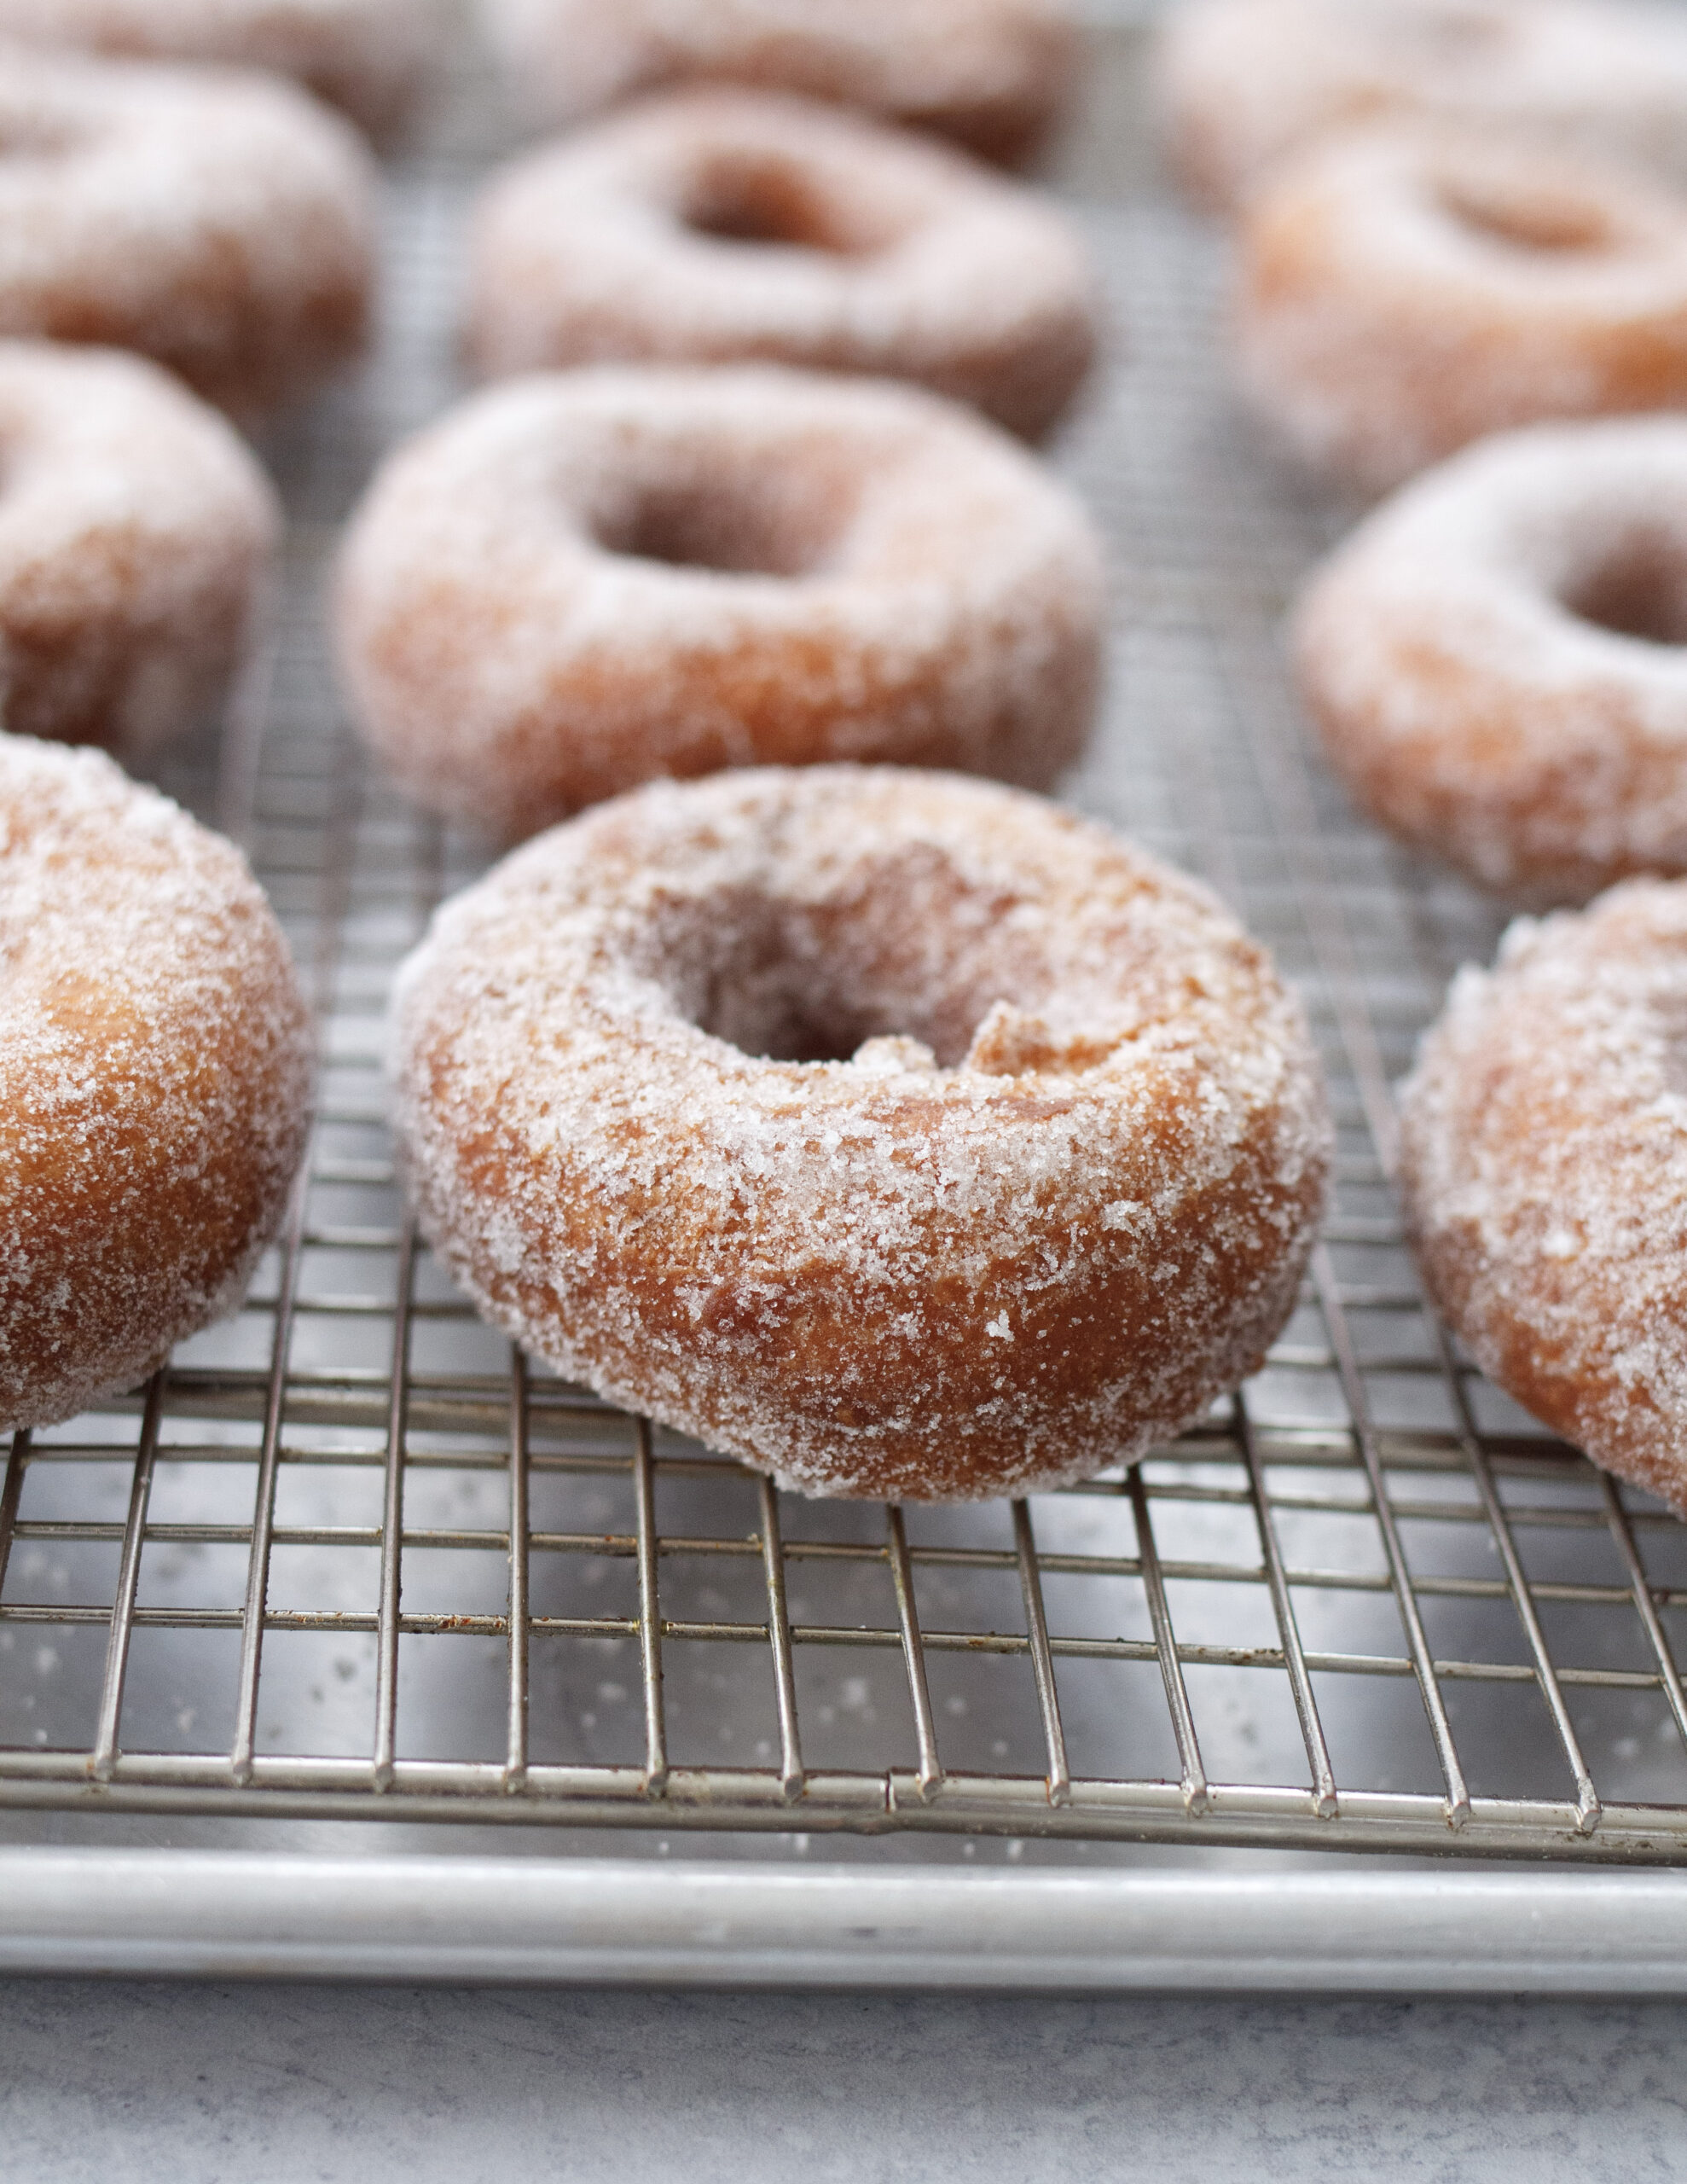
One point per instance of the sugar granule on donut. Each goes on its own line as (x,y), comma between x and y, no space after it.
(154,1065)
(726,226)
(901,1134)
(136,539)
(995,75)
(219,222)
(373,59)
(1406,289)
(1497,658)
(1544,1170)
(574,582)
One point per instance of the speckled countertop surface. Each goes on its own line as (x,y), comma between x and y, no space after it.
(205,2085)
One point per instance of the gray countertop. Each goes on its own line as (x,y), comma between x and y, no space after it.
(191,2083)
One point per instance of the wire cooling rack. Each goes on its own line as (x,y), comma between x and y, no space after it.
(351,1556)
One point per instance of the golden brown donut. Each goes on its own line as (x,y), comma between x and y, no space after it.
(903,1134)
(370,58)
(220,223)
(136,535)
(1497,658)
(1545,1176)
(573,582)
(153,1067)
(995,75)
(1405,290)
(718,226)
(1242,82)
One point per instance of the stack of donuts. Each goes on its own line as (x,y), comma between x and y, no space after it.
(806,1079)
(1461,242)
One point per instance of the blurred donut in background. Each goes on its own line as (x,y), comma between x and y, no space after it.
(717,226)
(373,59)
(1242,81)
(995,75)
(220,223)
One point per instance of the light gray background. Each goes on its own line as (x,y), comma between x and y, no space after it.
(362,2084)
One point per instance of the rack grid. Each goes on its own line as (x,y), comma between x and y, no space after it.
(351,1555)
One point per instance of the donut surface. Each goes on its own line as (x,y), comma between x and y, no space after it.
(1242,81)
(153,1071)
(1497,658)
(136,535)
(995,75)
(219,223)
(721,226)
(1545,1176)
(1406,290)
(575,583)
(899,1133)
(370,58)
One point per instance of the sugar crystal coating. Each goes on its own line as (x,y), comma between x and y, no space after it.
(1545,1139)
(136,537)
(153,1071)
(575,582)
(218,222)
(1496,659)
(719,226)
(901,1134)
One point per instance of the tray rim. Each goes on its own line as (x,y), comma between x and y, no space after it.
(580,1921)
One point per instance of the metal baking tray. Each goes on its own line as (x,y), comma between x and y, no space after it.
(349,1559)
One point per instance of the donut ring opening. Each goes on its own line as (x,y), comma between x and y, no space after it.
(1634,586)
(756,198)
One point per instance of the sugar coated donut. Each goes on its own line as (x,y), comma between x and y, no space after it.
(153,1067)
(1241,82)
(993,74)
(1497,658)
(1405,290)
(370,58)
(899,1133)
(135,540)
(1545,1176)
(718,226)
(577,582)
(219,222)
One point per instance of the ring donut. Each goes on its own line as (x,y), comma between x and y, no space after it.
(1545,1139)
(153,1067)
(574,582)
(1497,658)
(1406,290)
(219,223)
(136,536)
(719,226)
(995,75)
(370,58)
(1242,82)
(901,1135)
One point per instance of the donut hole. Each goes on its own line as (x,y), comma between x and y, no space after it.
(1516,213)
(767,523)
(912,955)
(1637,590)
(763,199)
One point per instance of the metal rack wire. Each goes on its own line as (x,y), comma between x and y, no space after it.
(351,1556)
